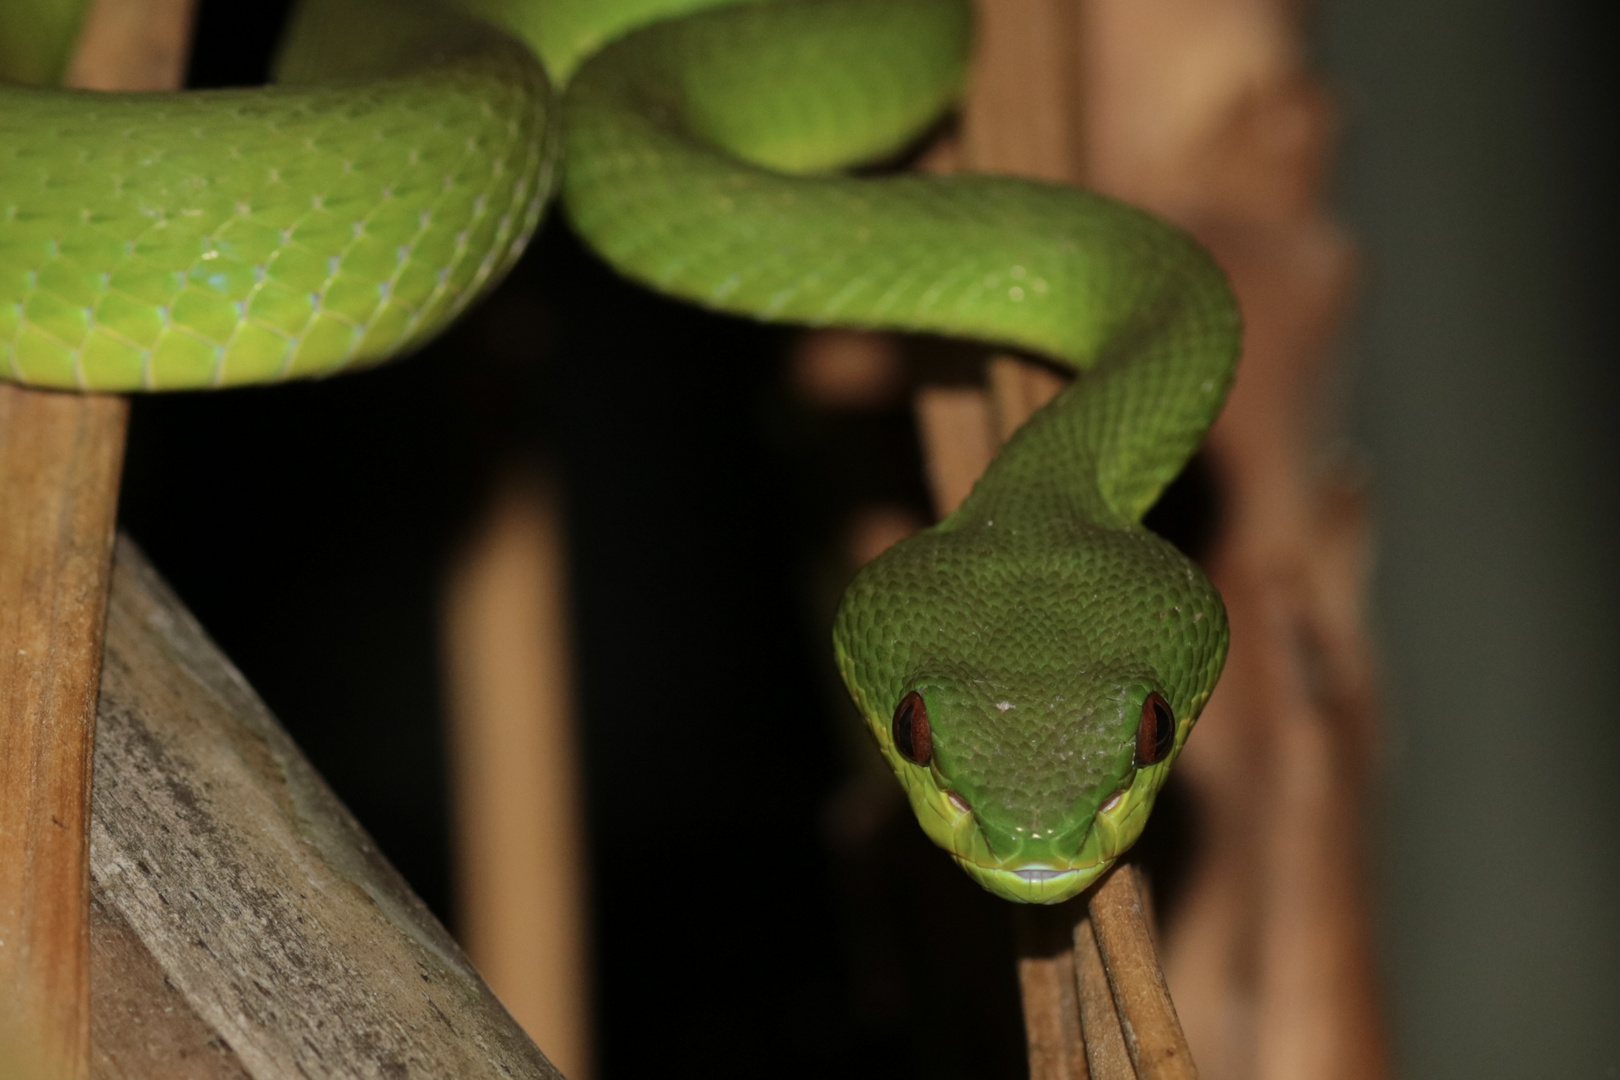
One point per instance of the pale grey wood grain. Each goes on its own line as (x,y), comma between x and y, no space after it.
(277,938)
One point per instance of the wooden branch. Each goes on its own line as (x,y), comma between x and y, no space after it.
(1147,1017)
(244,924)
(1017,389)
(1099,1018)
(60,460)
(1047,984)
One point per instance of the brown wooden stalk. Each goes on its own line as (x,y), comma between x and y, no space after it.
(1207,114)
(1106,1052)
(1146,1015)
(60,460)
(60,456)
(1047,984)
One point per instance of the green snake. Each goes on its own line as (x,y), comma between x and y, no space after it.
(1032,665)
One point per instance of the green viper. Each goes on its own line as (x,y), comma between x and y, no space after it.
(1031,666)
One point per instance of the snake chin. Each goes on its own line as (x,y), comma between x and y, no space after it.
(1035,884)
(1047,880)
(1041,876)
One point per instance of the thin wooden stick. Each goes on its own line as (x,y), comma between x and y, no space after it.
(1147,1016)
(1017,389)
(1046,980)
(1099,1019)
(60,459)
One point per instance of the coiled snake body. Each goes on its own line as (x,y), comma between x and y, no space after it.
(1032,665)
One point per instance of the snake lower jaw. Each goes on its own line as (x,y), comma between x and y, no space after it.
(1035,884)
(1039,876)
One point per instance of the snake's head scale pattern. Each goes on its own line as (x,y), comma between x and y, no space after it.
(1006,670)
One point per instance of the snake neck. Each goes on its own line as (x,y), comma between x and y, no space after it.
(1104,449)
(675,178)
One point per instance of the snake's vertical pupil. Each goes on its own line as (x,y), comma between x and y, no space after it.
(912,735)
(1157,732)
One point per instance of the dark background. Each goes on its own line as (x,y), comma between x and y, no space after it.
(309,527)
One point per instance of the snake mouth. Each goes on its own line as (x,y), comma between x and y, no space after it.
(1034,884)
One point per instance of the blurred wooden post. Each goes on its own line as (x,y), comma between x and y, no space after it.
(60,460)
(133,45)
(1204,111)
(515,769)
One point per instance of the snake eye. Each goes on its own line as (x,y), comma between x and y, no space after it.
(1157,732)
(912,736)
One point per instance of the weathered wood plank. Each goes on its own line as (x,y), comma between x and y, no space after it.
(143,1027)
(244,924)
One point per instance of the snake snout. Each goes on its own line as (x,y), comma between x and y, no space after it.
(1027,840)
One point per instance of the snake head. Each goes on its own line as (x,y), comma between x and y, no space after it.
(1031,718)
(1033,791)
